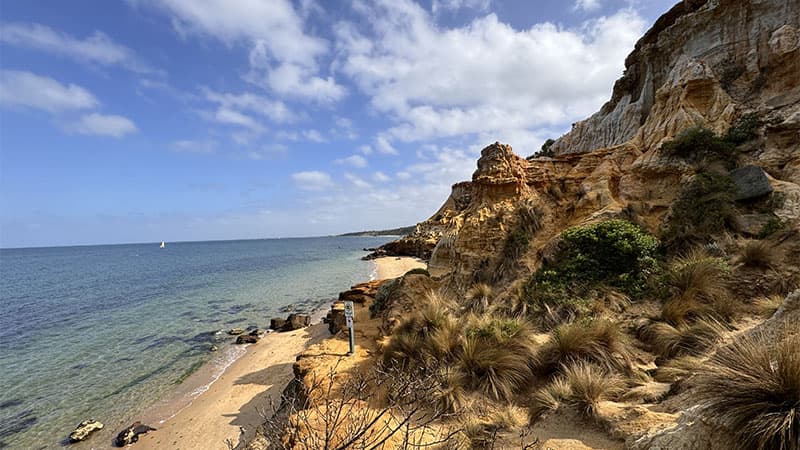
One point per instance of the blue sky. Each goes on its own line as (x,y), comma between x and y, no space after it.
(150,120)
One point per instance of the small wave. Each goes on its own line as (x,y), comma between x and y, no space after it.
(374,274)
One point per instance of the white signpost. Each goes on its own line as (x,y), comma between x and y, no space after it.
(348,315)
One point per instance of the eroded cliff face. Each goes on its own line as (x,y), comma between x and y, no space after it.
(704,63)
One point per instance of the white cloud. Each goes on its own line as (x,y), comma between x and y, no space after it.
(95,49)
(314,136)
(283,57)
(358,182)
(509,81)
(314,180)
(365,149)
(28,90)
(380,177)
(383,145)
(103,125)
(452,5)
(357,161)
(586,5)
(206,146)
(274,110)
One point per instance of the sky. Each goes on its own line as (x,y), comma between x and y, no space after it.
(181,120)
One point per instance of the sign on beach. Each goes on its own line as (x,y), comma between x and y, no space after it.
(348,316)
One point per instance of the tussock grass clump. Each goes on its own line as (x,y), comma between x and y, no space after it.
(591,385)
(598,341)
(752,387)
(766,306)
(496,372)
(427,336)
(549,397)
(669,341)
(478,298)
(696,282)
(583,385)
(759,254)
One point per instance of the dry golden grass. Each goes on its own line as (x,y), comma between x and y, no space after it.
(697,283)
(591,385)
(478,298)
(752,388)
(492,370)
(766,306)
(669,341)
(600,342)
(760,254)
(430,334)
(549,397)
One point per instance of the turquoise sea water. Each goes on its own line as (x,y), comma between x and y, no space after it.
(104,331)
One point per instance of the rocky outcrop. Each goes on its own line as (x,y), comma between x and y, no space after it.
(751,182)
(84,430)
(131,434)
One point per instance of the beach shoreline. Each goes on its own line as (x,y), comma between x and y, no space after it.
(231,407)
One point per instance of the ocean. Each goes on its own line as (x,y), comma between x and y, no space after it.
(105,331)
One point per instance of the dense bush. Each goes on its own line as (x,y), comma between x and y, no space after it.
(545,151)
(744,129)
(704,208)
(698,143)
(615,253)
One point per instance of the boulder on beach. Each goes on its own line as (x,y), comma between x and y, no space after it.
(235,331)
(296,321)
(277,323)
(84,429)
(247,339)
(131,434)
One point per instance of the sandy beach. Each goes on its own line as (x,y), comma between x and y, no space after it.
(231,408)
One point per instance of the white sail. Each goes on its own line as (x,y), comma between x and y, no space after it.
(162,244)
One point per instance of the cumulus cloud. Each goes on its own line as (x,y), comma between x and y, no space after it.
(28,90)
(356,161)
(95,49)
(586,5)
(357,181)
(380,177)
(510,81)
(313,180)
(452,5)
(103,125)
(283,57)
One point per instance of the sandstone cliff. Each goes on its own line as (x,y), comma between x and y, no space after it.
(723,65)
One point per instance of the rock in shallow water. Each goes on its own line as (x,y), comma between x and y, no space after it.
(131,434)
(247,339)
(84,429)
(235,331)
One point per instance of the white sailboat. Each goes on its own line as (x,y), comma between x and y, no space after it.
(162,245)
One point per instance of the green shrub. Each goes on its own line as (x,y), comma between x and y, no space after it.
(545,151)
(704,208)
(698,143)
(418,271)
(614,253)
(385,292)
(744,129)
